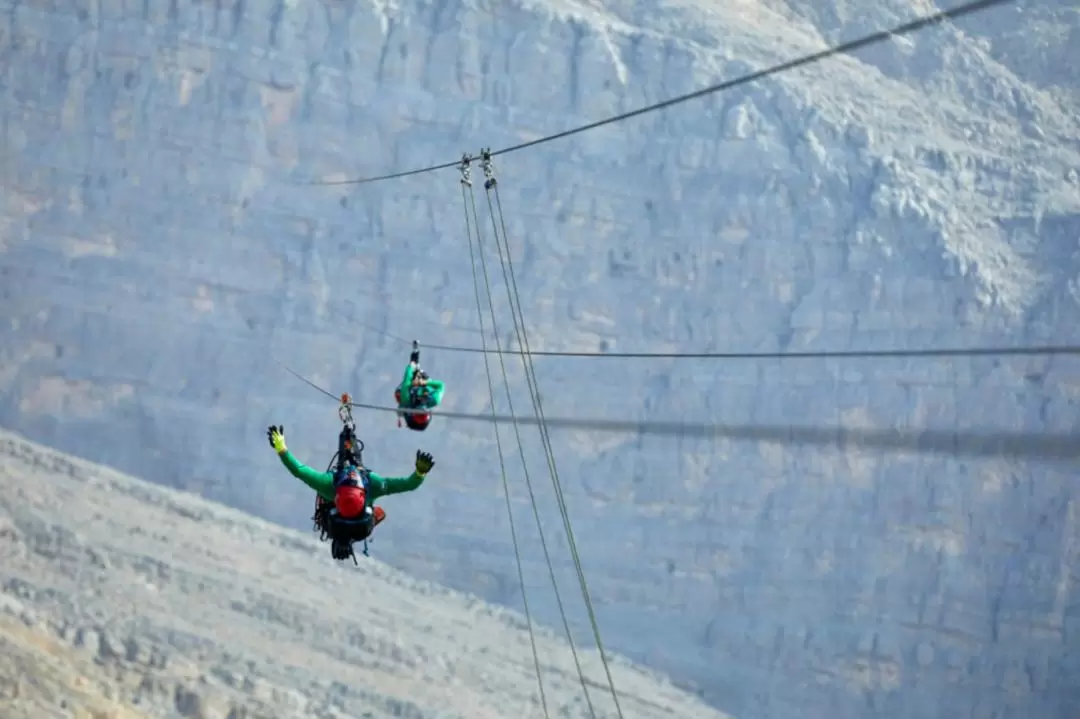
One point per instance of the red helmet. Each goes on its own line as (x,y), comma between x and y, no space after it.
(420,421)
(350,501)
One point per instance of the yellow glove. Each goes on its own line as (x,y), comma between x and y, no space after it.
(424,463)
(276,435)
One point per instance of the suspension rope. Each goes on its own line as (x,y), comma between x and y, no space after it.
(1037,351)
(1006,444)
(841,49)
(498,445)
(309,383)
(520,331)
(521,450)
(930,352)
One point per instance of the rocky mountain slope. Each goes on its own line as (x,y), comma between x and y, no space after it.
(159,249)
(124,599)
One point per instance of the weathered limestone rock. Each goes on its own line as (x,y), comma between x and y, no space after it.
(158,252)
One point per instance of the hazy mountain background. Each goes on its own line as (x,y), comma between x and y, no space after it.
(159,250)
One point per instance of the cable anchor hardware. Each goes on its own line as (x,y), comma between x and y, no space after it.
(485,165)
(345,411)
(466,172)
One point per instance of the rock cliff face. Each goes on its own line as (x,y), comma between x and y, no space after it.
(160,250)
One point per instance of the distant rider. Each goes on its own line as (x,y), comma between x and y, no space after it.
(417,391)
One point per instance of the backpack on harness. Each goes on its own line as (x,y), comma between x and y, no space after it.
(419,398)
(344,531)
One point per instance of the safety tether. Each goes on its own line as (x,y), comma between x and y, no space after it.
(466,189)
(350,450)
(513,296)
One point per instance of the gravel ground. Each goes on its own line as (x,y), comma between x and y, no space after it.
(124,599)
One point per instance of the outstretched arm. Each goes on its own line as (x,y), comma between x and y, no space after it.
(410,371)
(400,404)
(321,482)
(382,486)
(405,386)
(401,394)
(406,380)
(395,485)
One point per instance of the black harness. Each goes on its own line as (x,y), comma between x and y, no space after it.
(344,532)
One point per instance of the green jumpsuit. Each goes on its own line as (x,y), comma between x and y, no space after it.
(432,391)
(323,482)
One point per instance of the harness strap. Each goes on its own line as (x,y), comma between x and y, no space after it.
(419,397)
(344,478)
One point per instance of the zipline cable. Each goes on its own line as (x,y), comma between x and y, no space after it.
(1050,446)
(308,382)
(1036,351)
(502,461)
(521,332)
(841,49)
